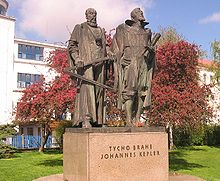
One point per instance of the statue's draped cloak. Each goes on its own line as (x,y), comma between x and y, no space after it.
(88,44)
(134,67)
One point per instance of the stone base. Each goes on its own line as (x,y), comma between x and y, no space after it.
(115,154)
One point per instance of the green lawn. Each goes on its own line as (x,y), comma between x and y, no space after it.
(30,165)
(201,161)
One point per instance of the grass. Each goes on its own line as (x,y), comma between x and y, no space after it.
(26,166)
(201,161)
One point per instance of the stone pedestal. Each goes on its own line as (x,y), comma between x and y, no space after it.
(115,154)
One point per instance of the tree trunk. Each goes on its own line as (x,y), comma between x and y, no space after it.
(45,133)
(170,135)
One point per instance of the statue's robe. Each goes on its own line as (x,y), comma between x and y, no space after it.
(135,64)
(88,44)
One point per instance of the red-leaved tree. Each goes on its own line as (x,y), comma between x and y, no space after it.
(178,99)
(44,102)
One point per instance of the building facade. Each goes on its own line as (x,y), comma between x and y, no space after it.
(207,77)
(22,64)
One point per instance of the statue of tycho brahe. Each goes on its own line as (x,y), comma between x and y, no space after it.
(87,44)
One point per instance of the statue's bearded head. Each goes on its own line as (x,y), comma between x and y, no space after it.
(91,16)
(137,15)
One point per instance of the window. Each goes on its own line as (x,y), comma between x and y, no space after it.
(30,52)
(2,10)
(30,131)
(24,80)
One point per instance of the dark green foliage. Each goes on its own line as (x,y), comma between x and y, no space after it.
(201,135)
(6,131)
(212,137)
(215,48)
(6,151)
(59,131)
(188,136)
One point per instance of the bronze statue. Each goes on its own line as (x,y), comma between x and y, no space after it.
(135,62)
(87,45)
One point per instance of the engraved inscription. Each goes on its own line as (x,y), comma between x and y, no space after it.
(130,151)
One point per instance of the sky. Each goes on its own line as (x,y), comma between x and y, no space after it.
(52,21)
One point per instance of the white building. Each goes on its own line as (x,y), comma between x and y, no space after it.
(207,77)
(21,64)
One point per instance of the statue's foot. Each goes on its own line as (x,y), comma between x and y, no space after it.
(86,124)
(104,126)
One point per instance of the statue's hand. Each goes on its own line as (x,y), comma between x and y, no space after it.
(79,64)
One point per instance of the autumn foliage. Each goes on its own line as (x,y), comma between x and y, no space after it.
(46,101)
(58,60)
(178,99)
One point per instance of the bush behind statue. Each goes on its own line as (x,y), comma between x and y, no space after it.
(188,136)
(201,135)
(212,135)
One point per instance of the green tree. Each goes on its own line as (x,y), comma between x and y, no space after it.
(215,66)
(169,34)
(215,48)
(6,131)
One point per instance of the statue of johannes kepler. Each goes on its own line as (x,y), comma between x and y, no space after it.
(87,44)
(134,50)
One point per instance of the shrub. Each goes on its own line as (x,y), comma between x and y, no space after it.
(59,131)
(6,151)
(6,131)
(201,135)
(189,136)
(212,135)
(216,134)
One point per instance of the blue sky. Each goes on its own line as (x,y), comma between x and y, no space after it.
(52,21)
(191,18)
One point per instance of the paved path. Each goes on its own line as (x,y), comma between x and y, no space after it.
(57,177)
(177,177)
